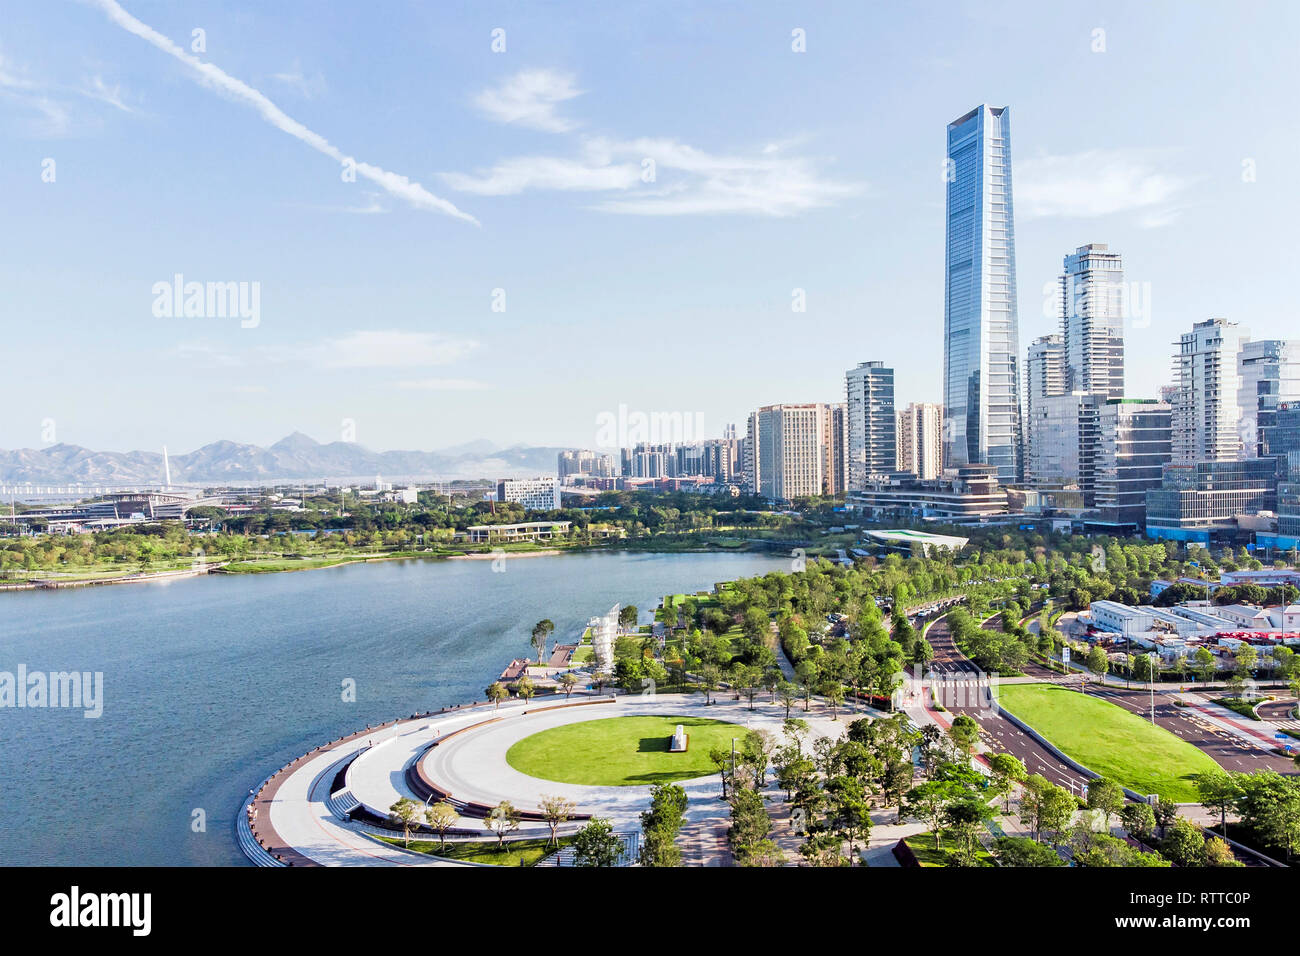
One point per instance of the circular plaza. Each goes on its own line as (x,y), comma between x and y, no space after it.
(330,807)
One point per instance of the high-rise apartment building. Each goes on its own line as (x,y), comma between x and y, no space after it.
(981,381)
(1269,373)
(1206,407)
(835,442)
(1044,379)
(1133,448)
(1092,306)
(872,427)
(920,439)
(786,448)
(580,461)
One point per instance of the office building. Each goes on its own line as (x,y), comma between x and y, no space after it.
(1064,448)
(835,444)
(970,491)
(981,380)
(1269,373)
(872,427)
(1199,501)
(1093,303)
(1133,446)
(534,494)
(920,439)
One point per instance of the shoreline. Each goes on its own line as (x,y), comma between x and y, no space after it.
(153,577)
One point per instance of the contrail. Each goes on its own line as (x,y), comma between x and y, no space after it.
(394,184)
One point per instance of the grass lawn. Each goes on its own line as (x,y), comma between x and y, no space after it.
(922,844)
(1110,740)
(516,852)
(622,751)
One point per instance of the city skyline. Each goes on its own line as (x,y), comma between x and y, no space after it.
(375,301)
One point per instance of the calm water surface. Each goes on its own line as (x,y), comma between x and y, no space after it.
(211,683)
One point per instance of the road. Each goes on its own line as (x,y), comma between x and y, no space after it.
(1226,749)
(1000,732)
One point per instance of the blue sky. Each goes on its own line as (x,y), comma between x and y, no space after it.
(523,170)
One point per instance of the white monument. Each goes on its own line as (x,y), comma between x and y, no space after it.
(679,740)
(603,632)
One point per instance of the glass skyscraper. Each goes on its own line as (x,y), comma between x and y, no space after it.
(981,382)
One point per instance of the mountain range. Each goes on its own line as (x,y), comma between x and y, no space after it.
(296,456)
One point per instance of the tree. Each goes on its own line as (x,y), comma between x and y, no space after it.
(496,692)
(806,672)
(660,825)
(1139,820)
(1107,796)
(966,818)
(709,676)
(597,844)
(627,617)
(1007,771)
(568,683)
(787,693)
(441,817)
(555,811)
(1183,844)
(1045,806)
(541,631)
(502,819)
(1218,853)
(525,688)
(1022,851)
(1218,792)
(929,802)
(964,733)
(1204,663)
(403,814)
(1098,663)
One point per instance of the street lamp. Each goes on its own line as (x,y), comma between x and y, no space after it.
(1152,659)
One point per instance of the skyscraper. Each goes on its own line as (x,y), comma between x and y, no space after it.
(1206,410)
(981,381)
(1044,379)
(872,428)
(1092,321)
(920,439)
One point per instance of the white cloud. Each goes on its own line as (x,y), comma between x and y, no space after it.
(390,348)
(217,79)
(51,117)
(1101,182)
(512,176)
(308,87)
(97,89)
(443,385)
(529,98)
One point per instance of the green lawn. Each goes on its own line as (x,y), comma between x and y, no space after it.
(622,751)
(922,844)
(516,852)
(1110,740)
